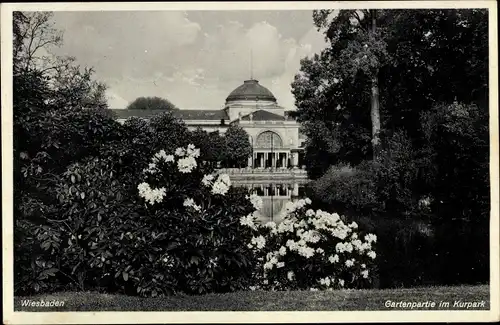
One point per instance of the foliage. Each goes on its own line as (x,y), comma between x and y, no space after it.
(396,176)
(109,239)
(151,103)
(140,139)
(389,185)
(199,215)
(310,250)
(212,146)
(238,146)
(349,188)
(458,133)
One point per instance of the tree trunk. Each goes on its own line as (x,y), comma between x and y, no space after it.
(375,101)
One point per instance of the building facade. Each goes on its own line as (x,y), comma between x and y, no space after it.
(275,136)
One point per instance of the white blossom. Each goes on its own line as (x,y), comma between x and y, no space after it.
(151,196)
(187,164)
(364,273)
(290,275)
(190,203)
(371,238)
(221,185)
(333,259)
(260,242)
(191,151)
(248,221)
(372,254)
(256,201)
(181,152)
(307,252)
(325,281)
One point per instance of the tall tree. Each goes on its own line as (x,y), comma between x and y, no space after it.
(70,86)
(238,147)
(360,46)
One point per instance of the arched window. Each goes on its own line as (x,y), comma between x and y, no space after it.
(269,139)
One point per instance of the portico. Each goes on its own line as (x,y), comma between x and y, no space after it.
(266,159)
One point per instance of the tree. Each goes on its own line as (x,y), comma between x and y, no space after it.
(212,146)
(363,52)
(34,35)
(57,112)
(335,87)
(150,103)
(238,147)
(67,85)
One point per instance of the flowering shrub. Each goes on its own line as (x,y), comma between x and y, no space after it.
(310,250)
(197,237)
(177,230)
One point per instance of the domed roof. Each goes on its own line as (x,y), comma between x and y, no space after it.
(251,90)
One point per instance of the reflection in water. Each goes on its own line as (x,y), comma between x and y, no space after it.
(275,196)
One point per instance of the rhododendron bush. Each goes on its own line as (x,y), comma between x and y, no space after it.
(198,236)
(313,250)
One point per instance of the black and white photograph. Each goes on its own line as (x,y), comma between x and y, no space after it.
(281,159)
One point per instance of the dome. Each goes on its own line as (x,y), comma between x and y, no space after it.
(251,90)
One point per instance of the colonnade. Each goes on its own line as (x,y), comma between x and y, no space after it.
(274,159)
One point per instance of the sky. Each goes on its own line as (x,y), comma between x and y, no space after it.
(192,58)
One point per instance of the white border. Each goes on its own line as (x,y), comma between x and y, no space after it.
(12,317)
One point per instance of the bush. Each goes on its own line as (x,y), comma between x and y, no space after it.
(396,176)
(347,188)
(183,237)
(310,250)
(141,139)
(197,215)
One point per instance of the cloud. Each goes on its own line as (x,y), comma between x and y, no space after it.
(115,101)
(136,44)
(191,64)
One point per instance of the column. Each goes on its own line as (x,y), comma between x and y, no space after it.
(250,161)
(295,159)
(295,191)
(283,161)
(261,159)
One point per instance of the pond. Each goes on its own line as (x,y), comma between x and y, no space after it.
(275,195)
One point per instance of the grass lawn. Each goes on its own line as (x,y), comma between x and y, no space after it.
(266,301)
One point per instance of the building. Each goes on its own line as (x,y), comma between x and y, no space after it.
(274,135)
